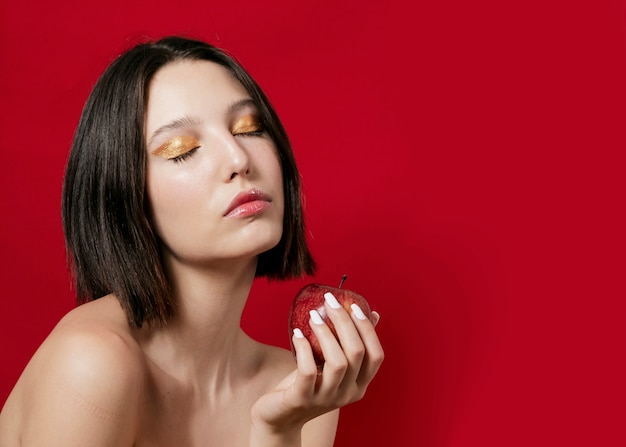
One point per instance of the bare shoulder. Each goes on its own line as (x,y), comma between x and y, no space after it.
(93,336)
(94,342)
(85,379)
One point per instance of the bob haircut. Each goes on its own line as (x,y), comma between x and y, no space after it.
(112,247)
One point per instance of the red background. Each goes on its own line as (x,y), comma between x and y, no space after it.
(462,162)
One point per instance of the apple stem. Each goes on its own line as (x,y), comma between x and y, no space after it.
(342,280)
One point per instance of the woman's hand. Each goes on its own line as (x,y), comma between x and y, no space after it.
(351,363)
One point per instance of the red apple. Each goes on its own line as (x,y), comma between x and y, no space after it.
(311,297)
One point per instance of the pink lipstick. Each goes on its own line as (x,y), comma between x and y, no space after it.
(248,203)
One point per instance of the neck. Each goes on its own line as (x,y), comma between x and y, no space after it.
(203,341)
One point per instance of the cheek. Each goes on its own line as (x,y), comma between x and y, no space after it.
(171,200)
(278,176)
(160,193)
(274,171)
(271,161)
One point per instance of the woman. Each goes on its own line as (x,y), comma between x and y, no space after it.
(180,188)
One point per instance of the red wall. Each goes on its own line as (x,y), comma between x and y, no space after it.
(462,163)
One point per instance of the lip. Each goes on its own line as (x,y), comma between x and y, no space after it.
(247,203)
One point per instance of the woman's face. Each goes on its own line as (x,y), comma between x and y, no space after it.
(214,181)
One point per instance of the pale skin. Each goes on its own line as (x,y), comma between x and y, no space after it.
(199,380)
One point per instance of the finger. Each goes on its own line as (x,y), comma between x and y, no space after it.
(335,362)
(376,316)
(304,382)
(349,337)
(374,354)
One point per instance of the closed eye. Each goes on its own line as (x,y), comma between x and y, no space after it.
(178,148)
(252,133)
(248,126)
(182,157)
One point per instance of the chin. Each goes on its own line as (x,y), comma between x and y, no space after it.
(271,243)
(264,235)
(253,243)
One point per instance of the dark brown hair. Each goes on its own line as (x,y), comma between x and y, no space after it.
(111,245)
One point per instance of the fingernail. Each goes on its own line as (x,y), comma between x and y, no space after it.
(298,333)
(357,311)
(331,300)
(376,316)
(317,319)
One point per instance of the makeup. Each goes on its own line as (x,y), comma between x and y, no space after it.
(247,124)
(176,147)
(248,203)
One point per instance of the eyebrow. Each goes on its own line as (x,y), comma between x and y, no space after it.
(187,121)
(179,123)
(241,104)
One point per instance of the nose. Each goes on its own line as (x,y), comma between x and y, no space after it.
(237,159)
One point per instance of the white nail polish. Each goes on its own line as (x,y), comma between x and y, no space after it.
(298,333)
(331,300)
(315,317)
(358,312)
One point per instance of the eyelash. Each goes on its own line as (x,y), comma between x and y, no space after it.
(185,156)
(254,133)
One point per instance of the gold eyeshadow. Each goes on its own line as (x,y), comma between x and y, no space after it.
(247,124)
(176,147)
